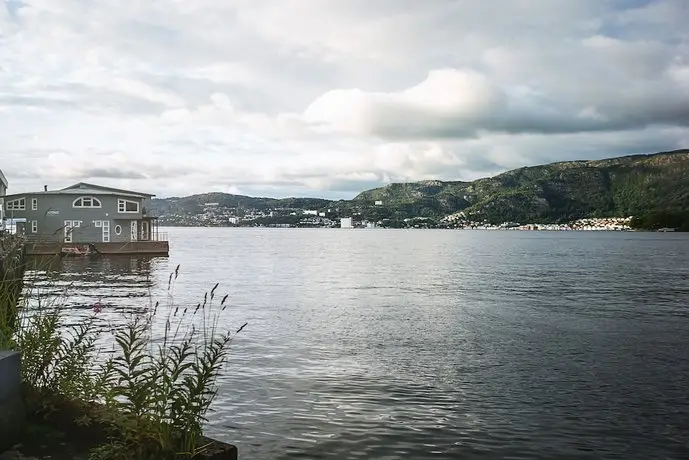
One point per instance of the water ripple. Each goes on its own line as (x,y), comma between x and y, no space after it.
(388,345)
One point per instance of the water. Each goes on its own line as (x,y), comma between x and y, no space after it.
(379,344)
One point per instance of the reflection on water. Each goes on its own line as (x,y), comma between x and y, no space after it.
(120,283)
(430,344)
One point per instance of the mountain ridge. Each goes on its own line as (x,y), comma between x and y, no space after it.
(553,192)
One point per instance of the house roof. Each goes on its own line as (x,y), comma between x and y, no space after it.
(104,190)
(3,179)
(83,188)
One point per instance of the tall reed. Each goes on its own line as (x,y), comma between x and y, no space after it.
(12,265)
(152,389)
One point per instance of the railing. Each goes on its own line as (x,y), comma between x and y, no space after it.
(155,236)
(43,238)
(38,239)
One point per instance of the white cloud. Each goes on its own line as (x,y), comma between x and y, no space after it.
(446,96)
(298,97)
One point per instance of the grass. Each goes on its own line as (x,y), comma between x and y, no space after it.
(11,275)
(149,393)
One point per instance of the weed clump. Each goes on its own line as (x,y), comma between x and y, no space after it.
(150,392)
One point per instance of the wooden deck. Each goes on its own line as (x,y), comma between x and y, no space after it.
(153,248)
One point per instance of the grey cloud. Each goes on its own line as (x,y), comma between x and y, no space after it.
(571,79)
(142,171)
(668,107)
(111,173)
(74,96)
(36,101)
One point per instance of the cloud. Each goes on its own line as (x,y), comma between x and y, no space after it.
(453,103)
(445,98)
(283,97)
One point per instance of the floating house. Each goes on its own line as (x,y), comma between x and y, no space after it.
(86,216)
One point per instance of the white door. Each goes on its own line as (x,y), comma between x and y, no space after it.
(144,230)
(70,225)
(106,231)
(134,230)
(68,231)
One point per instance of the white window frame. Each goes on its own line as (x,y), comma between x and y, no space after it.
(105,225)
(34,226)
(93,201)
(34,204)
(18,204)
(122,206)
(118,230)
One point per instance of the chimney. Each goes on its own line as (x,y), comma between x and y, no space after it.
(45,188)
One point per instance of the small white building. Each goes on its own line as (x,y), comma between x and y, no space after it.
(310,212)
(379,203)
(346,222)
(233,220)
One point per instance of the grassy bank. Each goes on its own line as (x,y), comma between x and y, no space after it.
(12,267)
(144,395)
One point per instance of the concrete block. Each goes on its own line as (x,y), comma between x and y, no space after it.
(12,411)
(10,374)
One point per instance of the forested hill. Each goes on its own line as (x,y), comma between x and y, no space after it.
(554,192)
(197,203)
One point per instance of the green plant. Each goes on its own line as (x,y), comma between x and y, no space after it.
(153,392)
(12,267)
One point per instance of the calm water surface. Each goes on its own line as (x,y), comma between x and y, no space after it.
(376,344)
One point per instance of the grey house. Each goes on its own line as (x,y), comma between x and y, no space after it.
(84,213)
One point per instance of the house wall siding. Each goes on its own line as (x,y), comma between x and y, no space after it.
(54,209)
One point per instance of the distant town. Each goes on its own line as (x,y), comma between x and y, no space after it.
(215,215)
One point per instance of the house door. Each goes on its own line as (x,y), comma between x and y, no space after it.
(69,227)
(144,230)
(134,229)
(106,231)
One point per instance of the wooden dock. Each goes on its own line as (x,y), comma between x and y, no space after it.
(152,248)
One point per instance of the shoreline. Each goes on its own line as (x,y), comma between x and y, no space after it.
(482,228)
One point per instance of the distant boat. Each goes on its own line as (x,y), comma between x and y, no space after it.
(666,229)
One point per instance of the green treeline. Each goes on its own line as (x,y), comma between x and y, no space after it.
(677,220)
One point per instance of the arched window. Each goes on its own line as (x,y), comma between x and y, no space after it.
(86,202)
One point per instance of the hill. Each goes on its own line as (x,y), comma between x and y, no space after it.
(172,209)
(554,192)
(557,192)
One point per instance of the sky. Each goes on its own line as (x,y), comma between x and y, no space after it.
(331,97)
